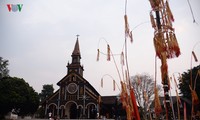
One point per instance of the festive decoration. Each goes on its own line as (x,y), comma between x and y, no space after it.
(169,13)
(152,20)
(131,100)
(165,44)
(127,95)
(123,95)
(122,58)
(128,112)
(98,54)
(195,57)
(164,37)
(108,52)
(128,33)
(158,107)
(135,107)
(126,25)
(195,99)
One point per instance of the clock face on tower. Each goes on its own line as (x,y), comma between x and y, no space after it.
(72,88)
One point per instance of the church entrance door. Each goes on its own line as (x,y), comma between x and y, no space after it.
(73,111)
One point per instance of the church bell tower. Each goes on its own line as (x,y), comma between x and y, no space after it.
(75,65)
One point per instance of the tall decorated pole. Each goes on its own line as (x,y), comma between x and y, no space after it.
(165,43)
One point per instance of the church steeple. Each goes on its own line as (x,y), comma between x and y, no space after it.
(76,56)
(76,48)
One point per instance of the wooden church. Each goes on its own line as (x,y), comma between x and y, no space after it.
(76,97)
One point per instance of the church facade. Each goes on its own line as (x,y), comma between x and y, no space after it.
(76,97)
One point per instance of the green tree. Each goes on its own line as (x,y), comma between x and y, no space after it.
(143,85)
(4,72)
(16,94)
(185,82)
(46,91)
(184,87)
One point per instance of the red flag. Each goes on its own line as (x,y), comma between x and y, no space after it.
(135,107)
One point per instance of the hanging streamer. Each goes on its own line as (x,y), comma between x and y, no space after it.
(122,58)
(98,54)
(108,52)
(195,57)
(128,33)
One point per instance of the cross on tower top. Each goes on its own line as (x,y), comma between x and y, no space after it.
(77,36)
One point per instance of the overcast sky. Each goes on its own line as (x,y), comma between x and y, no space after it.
(39,40)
